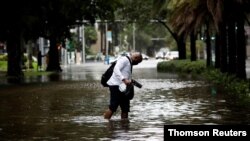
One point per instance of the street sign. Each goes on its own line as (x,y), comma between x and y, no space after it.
(109,36)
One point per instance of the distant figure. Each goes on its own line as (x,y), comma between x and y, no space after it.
(39,60)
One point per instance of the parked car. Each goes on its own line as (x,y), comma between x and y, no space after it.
(171,55)
(144,56)
(160,55)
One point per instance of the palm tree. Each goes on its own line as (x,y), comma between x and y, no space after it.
(229,26)
(162,11)
(190,17)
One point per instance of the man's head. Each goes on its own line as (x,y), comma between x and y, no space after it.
(136,58)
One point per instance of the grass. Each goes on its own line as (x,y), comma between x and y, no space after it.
(34,73)
(3,65)
(27,72)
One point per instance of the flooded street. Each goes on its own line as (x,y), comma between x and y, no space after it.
(70,106)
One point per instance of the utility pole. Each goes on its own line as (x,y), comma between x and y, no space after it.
(83,45)
(107,43)
(134,36)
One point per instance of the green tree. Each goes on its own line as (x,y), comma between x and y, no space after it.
(17,27)
(90,35)
(27,19)
(229,25)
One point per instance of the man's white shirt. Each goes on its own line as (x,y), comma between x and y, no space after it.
(122,70)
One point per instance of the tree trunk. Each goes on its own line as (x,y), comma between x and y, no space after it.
(231,48)
(102,38)
(181,47)
(217,51)
(223,48)
(53,56)
(208,49)
(29,46)
(180,40)
(192,46)
(241,48)
(14,71)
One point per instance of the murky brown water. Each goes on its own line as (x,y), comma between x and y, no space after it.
(71,107)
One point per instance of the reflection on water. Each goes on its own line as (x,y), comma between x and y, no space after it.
(72,110)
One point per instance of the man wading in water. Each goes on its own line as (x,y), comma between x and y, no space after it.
(120,79)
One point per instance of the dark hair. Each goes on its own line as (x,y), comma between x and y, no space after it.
(140,56)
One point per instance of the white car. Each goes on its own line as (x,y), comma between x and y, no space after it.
(160,55)
(171,55)
(144,56)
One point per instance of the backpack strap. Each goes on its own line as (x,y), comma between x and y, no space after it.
(130,63)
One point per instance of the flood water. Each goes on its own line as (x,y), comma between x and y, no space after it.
(70,107)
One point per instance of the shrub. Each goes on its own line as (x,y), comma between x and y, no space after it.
(224,81)
(182,66)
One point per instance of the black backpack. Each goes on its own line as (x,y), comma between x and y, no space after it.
(107,74)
